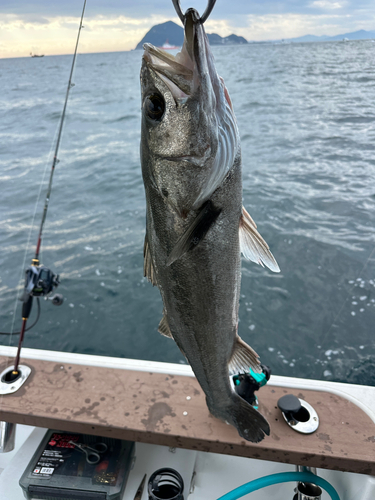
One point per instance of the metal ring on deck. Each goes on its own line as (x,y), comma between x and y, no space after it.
(206,13)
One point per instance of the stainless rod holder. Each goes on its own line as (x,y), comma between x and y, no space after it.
(10,383)
(307,491)
(7,436)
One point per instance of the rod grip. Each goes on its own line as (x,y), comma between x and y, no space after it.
(26,307)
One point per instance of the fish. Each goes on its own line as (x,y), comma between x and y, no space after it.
(196,226)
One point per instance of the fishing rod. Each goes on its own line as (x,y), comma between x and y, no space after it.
(39,280)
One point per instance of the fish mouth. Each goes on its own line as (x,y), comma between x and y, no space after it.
(175,75)
(181,72)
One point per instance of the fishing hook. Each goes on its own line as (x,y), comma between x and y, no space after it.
(206,13)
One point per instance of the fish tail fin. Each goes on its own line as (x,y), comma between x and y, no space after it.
(250,424)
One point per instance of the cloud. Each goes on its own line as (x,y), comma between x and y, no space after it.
(279,26)
(52,27)
(327,5)
(18,34)
(291,26)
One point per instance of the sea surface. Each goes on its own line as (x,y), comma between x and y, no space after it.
(306,115)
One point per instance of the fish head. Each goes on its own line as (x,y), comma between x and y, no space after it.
(189,132)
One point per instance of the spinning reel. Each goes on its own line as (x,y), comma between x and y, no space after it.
(39,282)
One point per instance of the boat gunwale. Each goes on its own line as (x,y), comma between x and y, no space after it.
(350,392)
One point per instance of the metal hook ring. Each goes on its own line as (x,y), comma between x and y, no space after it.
(206,13)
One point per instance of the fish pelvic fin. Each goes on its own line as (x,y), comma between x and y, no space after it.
(148,266)
(253,246)
(164,327)
(243,357)
(196,231)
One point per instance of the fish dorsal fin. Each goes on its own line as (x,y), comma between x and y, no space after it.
(148,266)
(164,327)
(253,246)
(243,358)
(196,231)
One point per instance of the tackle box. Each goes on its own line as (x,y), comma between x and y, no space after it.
(63,468)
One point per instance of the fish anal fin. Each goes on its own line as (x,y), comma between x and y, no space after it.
(253,246)
(243,357)
(148,266)
(164,327)
(196,232)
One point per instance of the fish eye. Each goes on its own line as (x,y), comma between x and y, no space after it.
(154,106)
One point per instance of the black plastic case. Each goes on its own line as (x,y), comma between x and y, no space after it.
(60,471)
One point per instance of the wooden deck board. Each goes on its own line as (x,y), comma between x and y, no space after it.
(171,410)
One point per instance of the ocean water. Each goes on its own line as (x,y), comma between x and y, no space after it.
(306,115)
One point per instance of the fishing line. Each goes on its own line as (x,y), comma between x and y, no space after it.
(21,278)
(29,238)
(26,329)
(40,281)
(349,292)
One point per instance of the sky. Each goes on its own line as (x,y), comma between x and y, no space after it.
(50,27)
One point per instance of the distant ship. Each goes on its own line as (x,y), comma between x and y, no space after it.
(36,55)
(168,46)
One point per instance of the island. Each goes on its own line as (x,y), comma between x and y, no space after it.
(169,34)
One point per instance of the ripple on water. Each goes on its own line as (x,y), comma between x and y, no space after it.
(305,114)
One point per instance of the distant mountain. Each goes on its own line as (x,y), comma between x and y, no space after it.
(355,35)
(309,38)
(173,34)
(231,39)
(215,39)
(162,33)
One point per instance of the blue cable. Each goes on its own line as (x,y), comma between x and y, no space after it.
(283,477)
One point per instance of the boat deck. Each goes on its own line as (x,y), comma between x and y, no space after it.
(170,410)
(206,475)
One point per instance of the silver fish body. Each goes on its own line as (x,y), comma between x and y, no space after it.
(191,166)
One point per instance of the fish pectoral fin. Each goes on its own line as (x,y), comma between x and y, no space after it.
(253,246)
(243,358)
(164,327)
(196,231)
(148,266)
